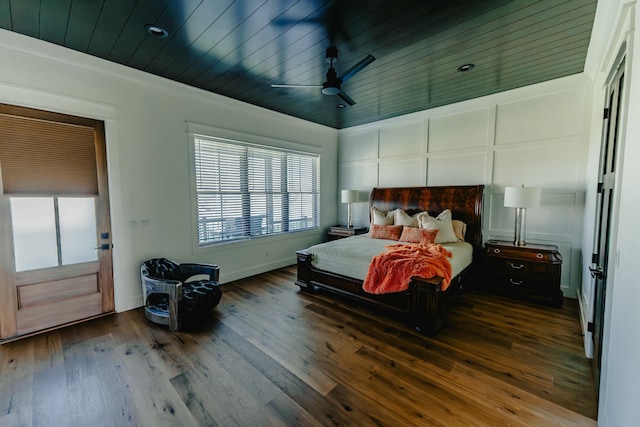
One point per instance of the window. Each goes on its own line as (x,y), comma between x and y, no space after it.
(245,191)
(53,231)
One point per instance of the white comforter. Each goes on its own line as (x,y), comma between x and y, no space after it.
(351,256)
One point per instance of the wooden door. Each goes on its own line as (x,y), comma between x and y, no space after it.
(604,205)
(55,232)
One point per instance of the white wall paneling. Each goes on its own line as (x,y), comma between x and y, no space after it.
(457,169)
(469,129)
(550,116)
(532,136)
(523,166)
(360,146)
(402,173)
(403,140)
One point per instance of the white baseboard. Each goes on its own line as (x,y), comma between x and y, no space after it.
(256,269)
(130,303)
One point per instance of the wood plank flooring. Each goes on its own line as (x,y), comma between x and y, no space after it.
(272,355)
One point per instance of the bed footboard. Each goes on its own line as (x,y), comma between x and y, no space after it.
(422,305)
(429,302)
(304,271)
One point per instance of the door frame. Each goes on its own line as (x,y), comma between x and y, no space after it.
(609,70)
(604,253)
(10,328)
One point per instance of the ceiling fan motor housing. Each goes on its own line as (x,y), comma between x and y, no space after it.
(332,85)
(331,54)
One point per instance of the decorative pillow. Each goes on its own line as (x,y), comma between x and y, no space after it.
(442,223)
(379,217)
(400,217)
(418,235)
(459,228)
(388,232)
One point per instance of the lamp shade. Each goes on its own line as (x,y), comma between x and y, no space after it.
(522,197)
(349,196)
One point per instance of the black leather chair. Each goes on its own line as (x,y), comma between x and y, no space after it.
(178,294)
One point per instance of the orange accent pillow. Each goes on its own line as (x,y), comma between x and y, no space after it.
(388,232)
(419,235)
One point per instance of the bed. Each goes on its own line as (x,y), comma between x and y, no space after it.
(424,303)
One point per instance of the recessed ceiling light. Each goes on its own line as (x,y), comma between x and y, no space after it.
(156,31)
(340,105)
(466,67)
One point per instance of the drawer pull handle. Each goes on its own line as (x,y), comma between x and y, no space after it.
(539,256)
(496,251)
(515,282)
(516,267)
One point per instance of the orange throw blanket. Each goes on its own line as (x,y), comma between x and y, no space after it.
(391,271)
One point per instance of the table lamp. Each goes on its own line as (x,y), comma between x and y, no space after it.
(349,197)
(521,198)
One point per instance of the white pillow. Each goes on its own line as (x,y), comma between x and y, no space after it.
(442,223)
(400,217)
(379,217)
(460,228)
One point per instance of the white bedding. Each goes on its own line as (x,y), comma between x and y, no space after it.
(351,256)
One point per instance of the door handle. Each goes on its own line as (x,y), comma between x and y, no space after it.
(597,272)
(104,246)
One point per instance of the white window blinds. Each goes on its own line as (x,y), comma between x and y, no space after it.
(246,191)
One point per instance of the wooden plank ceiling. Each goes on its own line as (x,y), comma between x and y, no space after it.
(238,48)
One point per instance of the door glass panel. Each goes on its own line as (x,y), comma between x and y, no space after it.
(77,229)
(34,232)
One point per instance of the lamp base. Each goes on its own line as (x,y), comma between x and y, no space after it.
(519,229)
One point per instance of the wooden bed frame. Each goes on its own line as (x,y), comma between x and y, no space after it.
(424,303)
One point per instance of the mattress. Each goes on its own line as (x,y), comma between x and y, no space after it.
(351,256)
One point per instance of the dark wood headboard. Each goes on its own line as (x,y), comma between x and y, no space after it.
(464,201)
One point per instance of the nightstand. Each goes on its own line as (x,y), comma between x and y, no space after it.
(530,272)
(342,231)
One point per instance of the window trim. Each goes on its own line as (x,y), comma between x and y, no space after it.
(196,130)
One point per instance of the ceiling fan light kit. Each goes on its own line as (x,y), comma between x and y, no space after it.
(332,85)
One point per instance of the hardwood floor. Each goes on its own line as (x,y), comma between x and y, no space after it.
(275,356)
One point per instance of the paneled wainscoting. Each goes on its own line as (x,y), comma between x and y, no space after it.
(274,356)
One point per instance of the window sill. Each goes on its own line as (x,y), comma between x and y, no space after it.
(261,240)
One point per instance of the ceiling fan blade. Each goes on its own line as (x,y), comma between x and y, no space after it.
(357,68)
(296,86)
(346,98)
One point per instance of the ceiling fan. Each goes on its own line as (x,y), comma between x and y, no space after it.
(332,85)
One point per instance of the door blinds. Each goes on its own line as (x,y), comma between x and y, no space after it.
(44,153)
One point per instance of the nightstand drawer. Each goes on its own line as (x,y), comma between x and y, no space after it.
(518,267)
(523,253)
(515,285)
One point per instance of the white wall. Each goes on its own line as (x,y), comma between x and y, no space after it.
(147,154)
(536,136)
(614,33)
